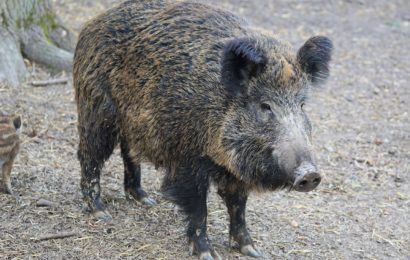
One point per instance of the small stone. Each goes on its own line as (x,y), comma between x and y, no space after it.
(294,224)
(378,141)
(349,98)
(399,180)
(45,203)
(329,148)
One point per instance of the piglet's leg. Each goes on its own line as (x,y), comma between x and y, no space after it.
(235,199)
(6,169)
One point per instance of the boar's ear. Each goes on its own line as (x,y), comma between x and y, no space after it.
(17,122)
(314,57)
(241,61)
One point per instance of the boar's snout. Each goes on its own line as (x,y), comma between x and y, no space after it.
(307,177)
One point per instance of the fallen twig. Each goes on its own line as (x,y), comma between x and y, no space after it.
(41,83)
(56,236)
(45,203)
(299,252)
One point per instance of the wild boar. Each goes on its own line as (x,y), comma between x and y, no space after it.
(197,91)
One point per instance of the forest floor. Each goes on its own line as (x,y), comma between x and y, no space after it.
(361,121)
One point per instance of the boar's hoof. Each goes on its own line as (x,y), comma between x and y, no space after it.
(141,196)
(251,250)
(206,256)
(201,248)
(102,215)
(148,201)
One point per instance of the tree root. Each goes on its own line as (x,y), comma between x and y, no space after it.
(37,48)
(63,37)
(33,28)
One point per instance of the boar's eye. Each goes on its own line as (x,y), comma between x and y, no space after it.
(266,107)
(302,105)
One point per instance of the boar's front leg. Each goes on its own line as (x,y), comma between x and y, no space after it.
(197,228)
(235,197)
(187,186)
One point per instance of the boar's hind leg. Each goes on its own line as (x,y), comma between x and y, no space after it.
(98,137)
(132,178)
(235,199)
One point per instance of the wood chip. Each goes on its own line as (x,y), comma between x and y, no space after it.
(56,236)
(42,83)
(45,203)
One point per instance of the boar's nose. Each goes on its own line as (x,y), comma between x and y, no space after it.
(307,178)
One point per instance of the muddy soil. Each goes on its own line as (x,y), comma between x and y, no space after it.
(361,122)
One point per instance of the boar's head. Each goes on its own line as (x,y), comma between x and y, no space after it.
(265,138)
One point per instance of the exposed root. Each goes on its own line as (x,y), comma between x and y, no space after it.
(33,28)
(63,37)
(36,47)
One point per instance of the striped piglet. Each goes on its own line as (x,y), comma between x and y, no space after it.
(10,128)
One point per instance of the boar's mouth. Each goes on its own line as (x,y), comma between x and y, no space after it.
(259,168)
(288,186)
(263,170)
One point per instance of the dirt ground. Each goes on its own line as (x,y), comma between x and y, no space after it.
(361,122)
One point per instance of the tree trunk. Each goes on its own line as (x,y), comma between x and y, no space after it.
(31,29)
